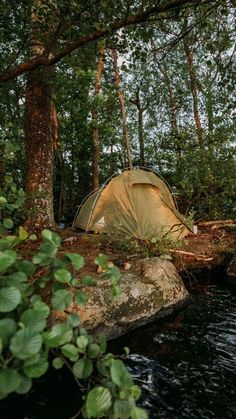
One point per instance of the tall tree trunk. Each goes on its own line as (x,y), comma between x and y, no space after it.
(172,107)
(95,131)
(209,107)
(194,91)
(140,110)
(126,143)
(172,111)
(59,160)
(38,136)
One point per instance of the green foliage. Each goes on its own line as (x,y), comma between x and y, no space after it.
(27,336)
(11,198)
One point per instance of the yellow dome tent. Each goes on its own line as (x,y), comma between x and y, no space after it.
(135,203)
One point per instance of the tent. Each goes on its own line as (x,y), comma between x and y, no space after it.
(136,203)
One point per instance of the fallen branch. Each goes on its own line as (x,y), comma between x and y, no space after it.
(223,225)
(212,223)
(196,256)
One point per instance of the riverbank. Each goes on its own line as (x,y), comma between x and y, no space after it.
(208,250)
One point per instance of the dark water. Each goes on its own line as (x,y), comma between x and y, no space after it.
(185,364)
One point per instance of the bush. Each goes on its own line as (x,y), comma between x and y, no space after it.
(28,338)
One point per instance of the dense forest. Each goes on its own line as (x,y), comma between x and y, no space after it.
(88,89)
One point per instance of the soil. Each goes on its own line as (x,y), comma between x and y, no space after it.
(211,250)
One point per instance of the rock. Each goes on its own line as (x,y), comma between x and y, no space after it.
(156,292)
(126,266)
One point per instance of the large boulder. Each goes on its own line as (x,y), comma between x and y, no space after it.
(153,292)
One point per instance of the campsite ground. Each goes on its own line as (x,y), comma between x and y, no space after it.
(209,249)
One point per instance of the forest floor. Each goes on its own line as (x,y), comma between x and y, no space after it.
(208,250)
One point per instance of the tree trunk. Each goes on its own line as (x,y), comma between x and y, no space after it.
(194,91)
(95,131)
(140,128)
(140,110)
(126,143)
(209,107)
(38,133)
(172,107)
(172,113)
(58,158)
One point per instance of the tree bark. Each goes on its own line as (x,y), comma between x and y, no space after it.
(58,158)
(95,131)
(172,107)
(172,112)
(126,143)
(39,150)
(38,132)
(140,128)
(194,91)
(140,110)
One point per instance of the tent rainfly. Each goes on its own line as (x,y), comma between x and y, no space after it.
(136,203)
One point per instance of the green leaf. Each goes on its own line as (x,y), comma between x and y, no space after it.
(42,259)
(93,350)
(88,281)
(10,297)
(8,179)
(25,385)
(61,299)
(26,266)
(42,308)
(81,298)
(57,363)
(7,330)
(136,392)
(8,223)
(7,258)
(82,343)
(70,351)
(51,237)
(34,319)
(36,369)
(104,365)
(137,413)
(77,260)
(17,277)
(62,275)
(122,409)
(73,320)
(83,368)
(9,380)
(98,402)
(48,248)
(25,343)
(2,200)
(23,233)
(102,343)
(58,335)
(119,374)
(33,237)
(101,260)
(127,351)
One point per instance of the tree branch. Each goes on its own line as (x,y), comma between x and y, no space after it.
(138,18)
